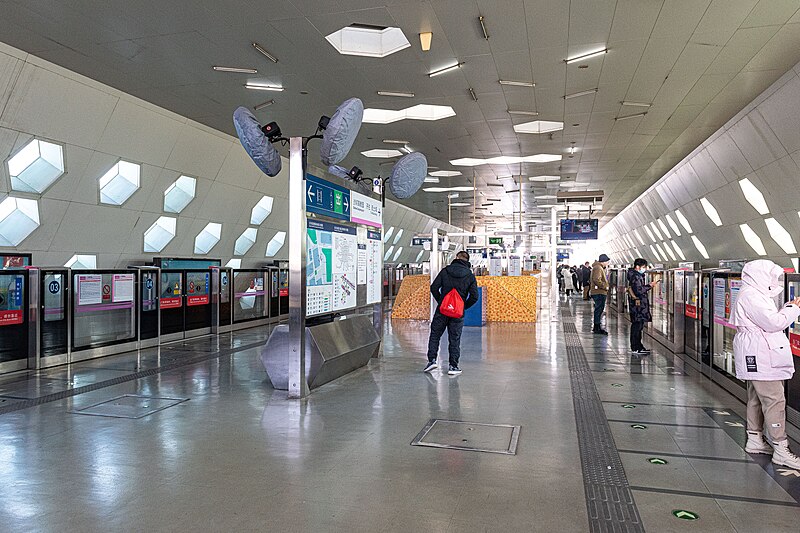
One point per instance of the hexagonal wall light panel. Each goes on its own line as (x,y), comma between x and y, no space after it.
(160,234)
(245,241)
(119,183)
(82,261)
(208,238)
(417,112)
(18,218)
(36,166)
(539,126)
(234,263)
(276,243)
(179,194)
(368,41)
(261,211)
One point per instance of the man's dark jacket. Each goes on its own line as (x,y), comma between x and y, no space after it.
(641,312)
(457,275)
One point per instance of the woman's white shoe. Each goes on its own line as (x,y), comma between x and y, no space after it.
(784,456)
(756,443)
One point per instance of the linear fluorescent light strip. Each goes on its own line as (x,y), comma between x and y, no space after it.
(445,70)
(754,196)
(673,225)
(263,105)
(684,221)
(263,51)
(581,93)
(513,83)
(396,93)
(472,94)
(711,211)
(590,55)
(240,70)
(522,112)
(781,236)
(257,87)
(664,229)
(752,239)
(635,104)
(626,117)
(678,250)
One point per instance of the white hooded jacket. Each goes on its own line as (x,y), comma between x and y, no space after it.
(760,347)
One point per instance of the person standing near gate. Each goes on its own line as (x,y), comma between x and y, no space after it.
(454,282)
(763,358)
(586,276)
(598,290)
(639,304)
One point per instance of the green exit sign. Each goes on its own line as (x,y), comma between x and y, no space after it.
(495,240)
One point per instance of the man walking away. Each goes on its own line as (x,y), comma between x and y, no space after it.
(639,304)
(458,275)
(599,292)
(586,275)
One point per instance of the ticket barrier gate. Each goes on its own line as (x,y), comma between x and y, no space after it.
(185,303)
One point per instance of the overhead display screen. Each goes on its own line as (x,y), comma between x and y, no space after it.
(574,229)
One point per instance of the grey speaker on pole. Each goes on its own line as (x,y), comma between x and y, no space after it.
(255,142)
(408,175)
(341,132)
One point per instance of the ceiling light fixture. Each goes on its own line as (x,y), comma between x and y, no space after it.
(447,189)
(263,105)
(396,141)
(582,93)
(431,179)
(539,126)
(425,39)
(517,83)
(572,150)
(544,178)
(385,154)
(472,94)
(259,87)
(219,68)
(263,51)
(483,27)
(460,204)
(445,173)
(521,112)
(398,94)
(635,104)
(505,160)
(445,70)
(586,56)
(626,117)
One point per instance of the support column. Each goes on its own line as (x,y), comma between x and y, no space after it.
(298,387)
(553,255)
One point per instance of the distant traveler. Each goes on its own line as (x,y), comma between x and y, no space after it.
(763,358)
(598,290)
(560,278)
(458,275)
(639,304)
(586,275)
(575,280)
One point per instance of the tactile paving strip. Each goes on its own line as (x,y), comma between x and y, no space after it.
(609,500)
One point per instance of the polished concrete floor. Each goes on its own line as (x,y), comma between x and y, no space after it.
(239,456)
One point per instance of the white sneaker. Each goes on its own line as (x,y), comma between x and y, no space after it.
(756,443)
(784,456)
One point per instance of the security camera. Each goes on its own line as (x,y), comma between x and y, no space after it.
(272,131)
(355,174)
(323,122)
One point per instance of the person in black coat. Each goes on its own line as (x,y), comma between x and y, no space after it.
(639,304)
(458,275)
(585,276)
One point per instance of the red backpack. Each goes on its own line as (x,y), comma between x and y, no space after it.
(452,305)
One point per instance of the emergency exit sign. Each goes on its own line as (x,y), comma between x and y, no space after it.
(495,240)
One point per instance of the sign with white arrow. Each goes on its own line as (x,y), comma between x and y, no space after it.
(785,472)
(326,198)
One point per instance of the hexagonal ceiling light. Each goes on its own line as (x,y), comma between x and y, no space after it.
(539,126)
(382,154)
(505,160)
(417,112)
(367,40)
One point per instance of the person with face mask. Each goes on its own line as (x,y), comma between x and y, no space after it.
(639,304)
(763,358)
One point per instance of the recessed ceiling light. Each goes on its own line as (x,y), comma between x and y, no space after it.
(219,68)
(444,70)
(539,126)
(521,112)
(263,51)
(259,87)
(582,93)
(483,27)
(446,173)
(472,94)
(396,93)
(544,178)
(368,41)
(635,104)
(586,56)
(263,105)
(460,204)
(382,154)
(417,112)
(425,39)
(572,150)
(395,141)
(431,179)
(514,83)
(626,117)
(505,160)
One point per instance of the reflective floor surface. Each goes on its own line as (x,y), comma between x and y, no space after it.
(239,456)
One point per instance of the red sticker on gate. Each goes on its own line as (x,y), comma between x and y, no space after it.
(171,303)
(11,318)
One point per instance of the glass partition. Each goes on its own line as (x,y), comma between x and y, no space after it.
(661,309)
(54,326)
(103,308)
(274,293)
(284,290)
(249,295)
(724,291)
(13,315)
(148,328)
(225,276)
(793,385)
(691,313)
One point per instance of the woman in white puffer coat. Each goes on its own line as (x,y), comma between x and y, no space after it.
(763,358)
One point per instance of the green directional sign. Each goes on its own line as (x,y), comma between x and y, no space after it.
(616,384)
(638,426)
(495,240)
(685,515)
(656,461)
(628,406)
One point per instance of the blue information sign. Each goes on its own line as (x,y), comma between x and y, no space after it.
(326,198)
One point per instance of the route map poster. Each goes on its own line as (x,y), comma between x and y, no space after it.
(331,267)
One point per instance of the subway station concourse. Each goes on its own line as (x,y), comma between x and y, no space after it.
(222,223)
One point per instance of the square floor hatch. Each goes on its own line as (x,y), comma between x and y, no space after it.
(129,406)
(469,436)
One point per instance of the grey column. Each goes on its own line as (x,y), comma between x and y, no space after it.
(298,387)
